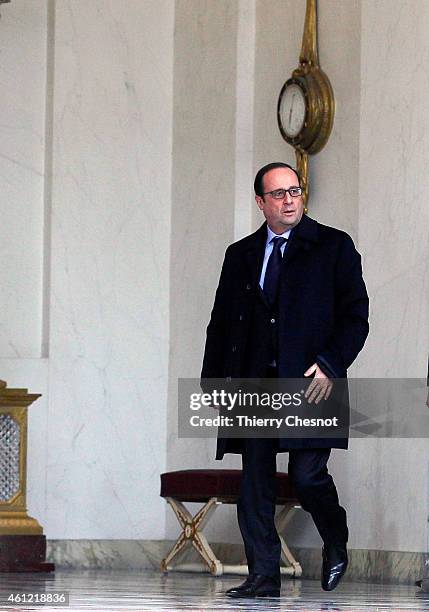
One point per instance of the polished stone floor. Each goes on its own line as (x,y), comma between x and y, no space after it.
(121,591)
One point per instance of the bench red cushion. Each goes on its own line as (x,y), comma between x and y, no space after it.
(201,485)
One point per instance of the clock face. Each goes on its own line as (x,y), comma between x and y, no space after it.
(292,110)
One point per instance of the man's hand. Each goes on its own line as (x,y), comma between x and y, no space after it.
(320,387)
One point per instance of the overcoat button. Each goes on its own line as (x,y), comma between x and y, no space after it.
(240,317)
(234,348)
(273,320)
(248,286)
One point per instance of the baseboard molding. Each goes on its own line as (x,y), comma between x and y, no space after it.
(377,566)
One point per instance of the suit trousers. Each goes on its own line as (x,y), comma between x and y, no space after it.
(315,490)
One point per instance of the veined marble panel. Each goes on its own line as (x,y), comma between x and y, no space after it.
(204,149)
(23,27)
(393,211)
(392,478)
(111,206)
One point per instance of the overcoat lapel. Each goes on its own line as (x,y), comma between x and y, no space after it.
(302,236)
(255,255)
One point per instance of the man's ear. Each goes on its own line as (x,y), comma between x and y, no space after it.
(259,201)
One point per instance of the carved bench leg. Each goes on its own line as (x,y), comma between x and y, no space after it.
(191,535)
(185,518)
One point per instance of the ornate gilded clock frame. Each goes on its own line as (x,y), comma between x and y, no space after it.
(319,98)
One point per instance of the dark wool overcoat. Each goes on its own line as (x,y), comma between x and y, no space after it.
(322,312)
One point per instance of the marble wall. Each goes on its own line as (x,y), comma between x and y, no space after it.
(23,69)
(23,33)
(202,201)
(129,142)
(393,191)
(110,258)
(86,202)
(394,240)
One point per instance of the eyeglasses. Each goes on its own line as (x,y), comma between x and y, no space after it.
(279,194)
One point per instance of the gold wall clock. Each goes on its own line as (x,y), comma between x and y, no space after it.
(306,104)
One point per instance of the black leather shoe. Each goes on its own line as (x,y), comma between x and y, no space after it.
(232,592)
(334,565)
(259,586)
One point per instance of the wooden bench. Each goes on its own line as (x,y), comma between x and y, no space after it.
(213,488)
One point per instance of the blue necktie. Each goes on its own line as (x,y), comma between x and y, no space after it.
(272,274)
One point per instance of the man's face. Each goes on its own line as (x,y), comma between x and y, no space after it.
(284,214)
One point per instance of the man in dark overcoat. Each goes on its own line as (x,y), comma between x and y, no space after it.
(291,302)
